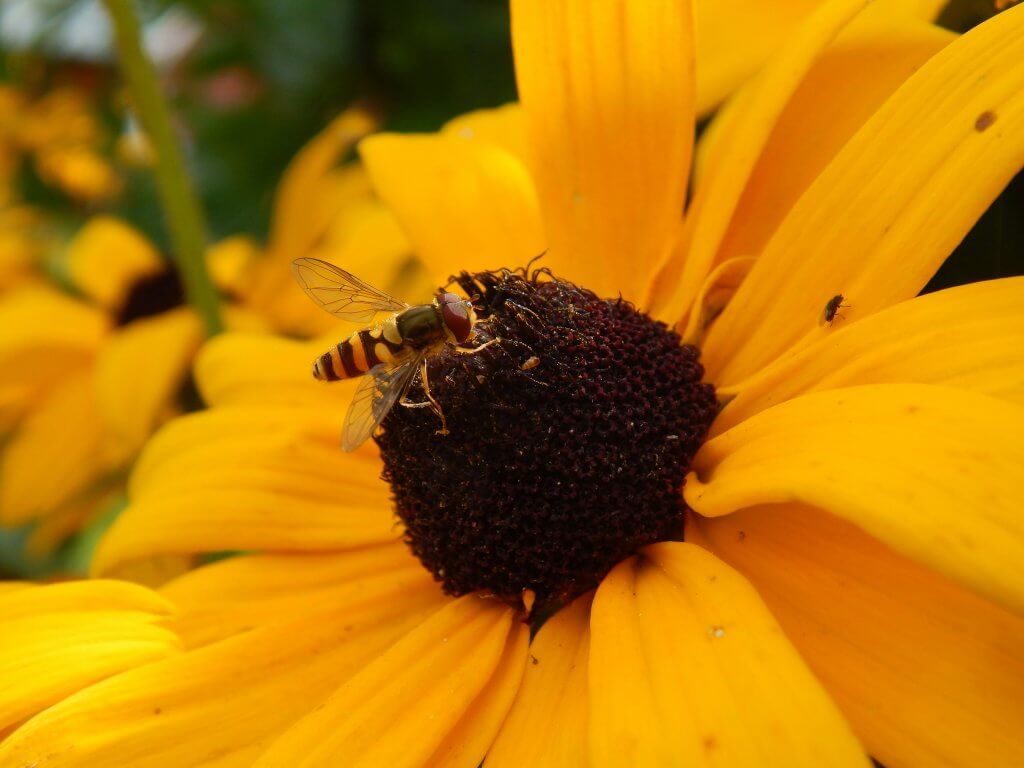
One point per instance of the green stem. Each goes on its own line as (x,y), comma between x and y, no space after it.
(181,208)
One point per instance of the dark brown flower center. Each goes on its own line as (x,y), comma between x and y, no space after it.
(152,295)
(568,441)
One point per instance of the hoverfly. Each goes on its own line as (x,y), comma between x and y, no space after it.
(831,309)
(389,352)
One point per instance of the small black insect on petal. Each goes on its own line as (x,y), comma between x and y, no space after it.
(568,441)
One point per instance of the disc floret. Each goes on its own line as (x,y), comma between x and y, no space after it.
(568,440)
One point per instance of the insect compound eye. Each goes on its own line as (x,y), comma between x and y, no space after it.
(457,315)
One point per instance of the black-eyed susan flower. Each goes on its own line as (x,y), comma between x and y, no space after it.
(834,579)
(119,345)
(87,375)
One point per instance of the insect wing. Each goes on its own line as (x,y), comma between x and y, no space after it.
(341,293)
(377,394)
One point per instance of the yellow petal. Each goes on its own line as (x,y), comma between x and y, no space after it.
(240,319)
(872,58)
(137,375)
(502,127)
(465,744)
(463,204)
(230,261)
(364,237)
(931,471)
(367,239)
(15,400)
(93,595)
(926,672)
(422,689)
(688,667)
(903,191)
(547,725)
(250,479)
(187,437)
(718,287)
(107,257)
(733,39)
(296,455)
(79,171)
(897,12)
(241,593)
(236,368)
(43,335)
(608,96)
(46,658)
(730,152)
(968,337)
(39,320)
(55,453)
(218,705)
(55,640)
(352,229)
(301,211)
(928,10)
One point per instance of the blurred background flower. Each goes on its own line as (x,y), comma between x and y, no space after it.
(262,96)
(63,139)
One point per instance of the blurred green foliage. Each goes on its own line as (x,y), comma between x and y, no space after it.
(268,75)
(416,63)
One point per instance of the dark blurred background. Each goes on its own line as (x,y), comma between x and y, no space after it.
(252,80)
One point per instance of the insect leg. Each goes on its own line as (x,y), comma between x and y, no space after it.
(520,309)
(474,350)
(410,404)
(436,406)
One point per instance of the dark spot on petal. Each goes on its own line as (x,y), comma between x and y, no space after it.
(985,120)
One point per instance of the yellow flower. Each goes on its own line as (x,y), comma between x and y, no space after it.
(86,379)
(74,361)
(848,582)
(63,136)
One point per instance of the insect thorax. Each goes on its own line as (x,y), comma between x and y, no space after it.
(420,326)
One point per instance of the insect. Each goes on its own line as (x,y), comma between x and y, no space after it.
(832,308)
(389,352)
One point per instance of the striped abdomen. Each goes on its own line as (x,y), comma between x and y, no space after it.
(360,352)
